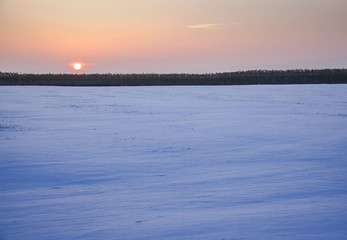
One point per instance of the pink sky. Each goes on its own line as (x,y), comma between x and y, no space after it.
(122,36)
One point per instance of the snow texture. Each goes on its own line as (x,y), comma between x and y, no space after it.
(216,163)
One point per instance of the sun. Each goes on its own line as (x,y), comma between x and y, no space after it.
(77,66)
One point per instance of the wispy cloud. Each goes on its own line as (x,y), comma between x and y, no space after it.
(205,26)
(210,26)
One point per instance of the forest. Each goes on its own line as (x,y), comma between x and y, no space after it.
(253,77)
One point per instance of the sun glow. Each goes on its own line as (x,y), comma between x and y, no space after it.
(77,66)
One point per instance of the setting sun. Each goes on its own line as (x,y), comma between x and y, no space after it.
(77,66)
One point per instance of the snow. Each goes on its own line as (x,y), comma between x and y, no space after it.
(222,162)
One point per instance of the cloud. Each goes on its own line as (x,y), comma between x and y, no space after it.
(205,26)
(210,26)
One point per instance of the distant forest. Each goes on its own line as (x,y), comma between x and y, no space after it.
(326,76)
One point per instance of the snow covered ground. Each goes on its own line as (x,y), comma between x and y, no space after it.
(227,162)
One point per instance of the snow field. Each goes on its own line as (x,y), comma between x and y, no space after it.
(227,162)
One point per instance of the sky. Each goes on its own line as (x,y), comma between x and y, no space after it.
(171,36)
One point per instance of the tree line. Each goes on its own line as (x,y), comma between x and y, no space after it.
(254,77)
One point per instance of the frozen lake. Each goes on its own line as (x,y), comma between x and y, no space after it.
(216,163)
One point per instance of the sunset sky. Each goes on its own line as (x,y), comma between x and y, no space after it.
(123,36)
